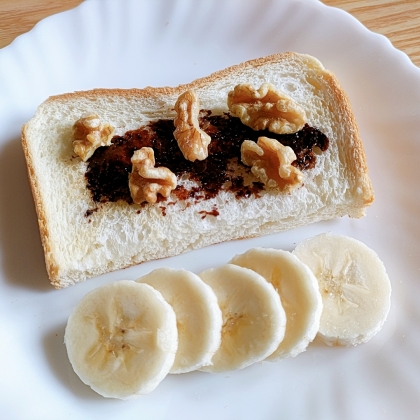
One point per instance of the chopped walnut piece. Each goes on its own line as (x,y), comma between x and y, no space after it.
(89,134)
(192,141)
(270,161)
(266,108)
(146,181)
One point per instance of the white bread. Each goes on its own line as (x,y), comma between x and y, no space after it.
(118,234)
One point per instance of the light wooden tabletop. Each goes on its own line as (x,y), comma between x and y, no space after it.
(399,20)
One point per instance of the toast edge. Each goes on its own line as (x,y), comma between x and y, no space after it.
(51,266)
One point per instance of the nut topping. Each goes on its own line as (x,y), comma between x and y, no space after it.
(192,141)
(270,162)
(89,134)
(146,181)
(266,108)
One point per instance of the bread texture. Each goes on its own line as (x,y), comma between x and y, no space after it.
(82,238)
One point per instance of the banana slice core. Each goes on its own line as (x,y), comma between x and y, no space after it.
(354,285)
(121,339)
(298,291)
(253,317)
(199,319)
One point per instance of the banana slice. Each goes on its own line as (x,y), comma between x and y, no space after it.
(354,285)
(253,318)
(198,316)
(121,339)
(299,294)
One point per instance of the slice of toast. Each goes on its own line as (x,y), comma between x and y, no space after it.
(85,235)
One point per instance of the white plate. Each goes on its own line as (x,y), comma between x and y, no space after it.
(132,43)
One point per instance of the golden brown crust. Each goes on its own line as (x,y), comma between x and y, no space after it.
(356,158)
(153,92)
(52,268)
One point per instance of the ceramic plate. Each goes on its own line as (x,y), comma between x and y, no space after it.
(135,43)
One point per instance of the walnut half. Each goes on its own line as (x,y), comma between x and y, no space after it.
(192,141)
(266,108)
(146,181)
(89,134)
(270,162)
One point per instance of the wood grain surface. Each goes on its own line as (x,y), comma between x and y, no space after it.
(399,20)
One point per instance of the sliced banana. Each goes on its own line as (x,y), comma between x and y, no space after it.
(354,285)
(121,339)
(253,318)
(299,294)
(199,318)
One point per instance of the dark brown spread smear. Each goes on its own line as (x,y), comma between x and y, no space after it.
(109,167)
(204,213)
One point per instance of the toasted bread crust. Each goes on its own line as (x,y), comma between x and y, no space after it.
(51,267)
(357,160)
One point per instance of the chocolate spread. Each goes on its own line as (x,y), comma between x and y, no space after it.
(109,167)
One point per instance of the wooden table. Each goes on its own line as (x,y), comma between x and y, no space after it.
(399,20)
